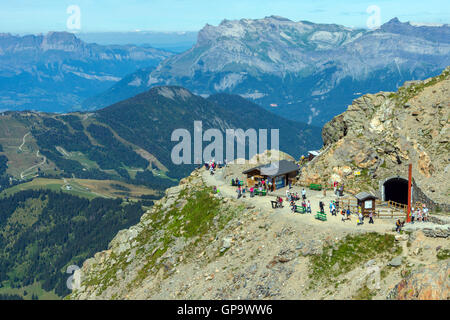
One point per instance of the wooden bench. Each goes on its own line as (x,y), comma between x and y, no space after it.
(317,187)
(321,216)
(300,209)
(260,193)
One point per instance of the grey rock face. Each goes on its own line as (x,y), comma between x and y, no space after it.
(396,262)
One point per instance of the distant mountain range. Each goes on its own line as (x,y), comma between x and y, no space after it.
(131,140)
(57,71)
(299,70)
(170,41)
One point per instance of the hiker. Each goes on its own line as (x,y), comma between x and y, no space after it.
(293,206)
(335,185)
(322,210)
(425,214)
(341,190)
(304,205)
(343,216)
(308,207)
(419,215)
(333,209)
(371,217)
(233,183)
(360,219)
(239,192)
(280,201)
(331,206)
(398,225)
(304,194)
(413,215)
(211,170)
(348,213)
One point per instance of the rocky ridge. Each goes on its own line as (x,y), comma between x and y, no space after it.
(380,134)
(198,245)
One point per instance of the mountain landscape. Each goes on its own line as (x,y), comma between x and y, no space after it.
(94,204)
(196,243)
(131,140)
(299,70)
(97,160)
(57,71)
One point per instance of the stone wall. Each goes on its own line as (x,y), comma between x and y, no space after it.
(419,196)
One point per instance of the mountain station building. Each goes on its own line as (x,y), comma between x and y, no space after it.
(279,173)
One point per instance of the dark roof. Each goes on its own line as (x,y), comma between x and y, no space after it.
(365,195)
(274,169)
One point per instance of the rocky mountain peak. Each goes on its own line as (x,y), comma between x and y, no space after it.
(64,41)
(173,92)
(440,33)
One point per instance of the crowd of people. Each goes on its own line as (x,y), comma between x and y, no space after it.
(260,186)
(212,165)
(293,197)
(419,214)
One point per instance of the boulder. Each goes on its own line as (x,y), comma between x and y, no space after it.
(396,262)
(427,283)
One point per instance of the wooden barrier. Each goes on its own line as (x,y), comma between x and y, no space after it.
(398,206)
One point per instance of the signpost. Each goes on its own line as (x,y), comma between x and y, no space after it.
(408,217)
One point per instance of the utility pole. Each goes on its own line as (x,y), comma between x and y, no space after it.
(408,217)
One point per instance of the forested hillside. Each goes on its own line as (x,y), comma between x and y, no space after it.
(43,232)
(131,140)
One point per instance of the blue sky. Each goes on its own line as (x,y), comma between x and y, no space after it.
(33,16)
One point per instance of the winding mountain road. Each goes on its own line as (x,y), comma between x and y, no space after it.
(44,159)
(23,140)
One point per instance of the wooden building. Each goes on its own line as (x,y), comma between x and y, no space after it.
(312,154)
(279,173)
(367,202)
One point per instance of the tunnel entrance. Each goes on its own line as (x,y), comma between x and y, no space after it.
(396,189)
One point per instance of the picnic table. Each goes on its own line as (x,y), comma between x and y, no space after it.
(321,216)
(261,193)
(300,209)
